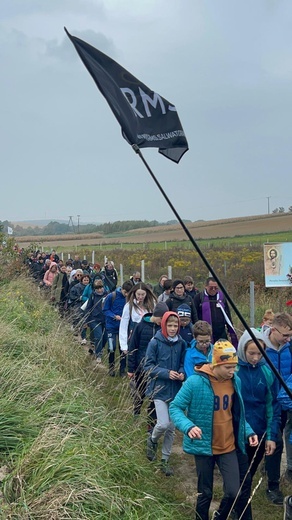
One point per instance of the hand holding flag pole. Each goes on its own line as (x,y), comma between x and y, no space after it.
(149,120)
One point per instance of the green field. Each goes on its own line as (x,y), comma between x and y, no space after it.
(247,240)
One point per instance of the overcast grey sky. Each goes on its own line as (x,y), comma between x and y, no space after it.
(225,65)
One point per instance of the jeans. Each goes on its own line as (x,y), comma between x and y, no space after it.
(100,336)
(233,467)
(113,340)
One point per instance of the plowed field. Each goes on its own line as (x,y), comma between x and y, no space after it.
(262,224)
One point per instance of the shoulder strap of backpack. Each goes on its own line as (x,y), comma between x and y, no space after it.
(114,295)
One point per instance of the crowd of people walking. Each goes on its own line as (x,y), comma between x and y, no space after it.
(180,350)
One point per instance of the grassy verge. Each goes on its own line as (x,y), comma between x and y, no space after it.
(67,436)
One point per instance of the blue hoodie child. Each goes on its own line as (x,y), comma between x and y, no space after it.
(196,356)
(185,316)
(259,391)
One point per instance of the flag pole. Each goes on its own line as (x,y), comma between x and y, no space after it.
(210,269)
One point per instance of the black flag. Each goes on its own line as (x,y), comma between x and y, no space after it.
(146,118)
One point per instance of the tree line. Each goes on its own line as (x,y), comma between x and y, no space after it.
(107,228)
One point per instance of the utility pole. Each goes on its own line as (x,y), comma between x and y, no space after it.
(268,204)
(71,222)
(78,217)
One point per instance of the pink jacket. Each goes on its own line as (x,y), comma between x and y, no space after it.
(49,275)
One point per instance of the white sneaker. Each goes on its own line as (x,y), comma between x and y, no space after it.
(83,342)
(98,360)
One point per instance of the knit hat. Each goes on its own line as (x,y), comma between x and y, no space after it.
(159,309)
(184,311)
(177,282)
(224,353)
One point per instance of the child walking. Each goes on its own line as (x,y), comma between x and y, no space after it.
(200,350)
(139,341)
(209,411)
(164,364)
(259,392)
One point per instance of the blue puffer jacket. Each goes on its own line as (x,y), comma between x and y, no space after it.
(195,357)
(197,398)
(162,356)
(286,401)
(284,398)
(113,306)
(281,358)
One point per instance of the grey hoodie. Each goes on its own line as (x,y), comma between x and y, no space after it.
(268,342)
(244,339)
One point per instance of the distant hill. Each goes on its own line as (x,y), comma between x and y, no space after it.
(242,226)
(42,223)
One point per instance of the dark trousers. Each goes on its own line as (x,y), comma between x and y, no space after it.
(260,453)
(113,341)
(273,462)
(100,336)
(233,467)
(138,389)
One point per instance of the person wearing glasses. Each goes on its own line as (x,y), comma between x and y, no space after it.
(277,339)
(178,297)
(211,306)
(201,348)
(135,278)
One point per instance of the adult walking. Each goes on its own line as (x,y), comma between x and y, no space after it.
(179,297)
(211,306)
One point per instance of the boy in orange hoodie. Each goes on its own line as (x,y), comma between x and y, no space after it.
(215,430)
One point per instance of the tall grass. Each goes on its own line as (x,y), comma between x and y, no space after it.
(66,431)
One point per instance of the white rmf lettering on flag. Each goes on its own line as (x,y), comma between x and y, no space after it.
(146,100)
(153,102)
(161,137)
(133,101)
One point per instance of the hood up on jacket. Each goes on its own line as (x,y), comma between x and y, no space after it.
(245,338)
(164,320)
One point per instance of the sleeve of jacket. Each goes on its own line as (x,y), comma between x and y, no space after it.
(273,412)
(107,310)
(227,310)
(284,398)
(248,431)
(193,311)
(89,308)
(133,349)
(123,330)
(45,278)
(181,369)
(73,294)
(86,293)
(180,404)
(169,304)
(189,363)
(151,362)
(197,303)
(54,285)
